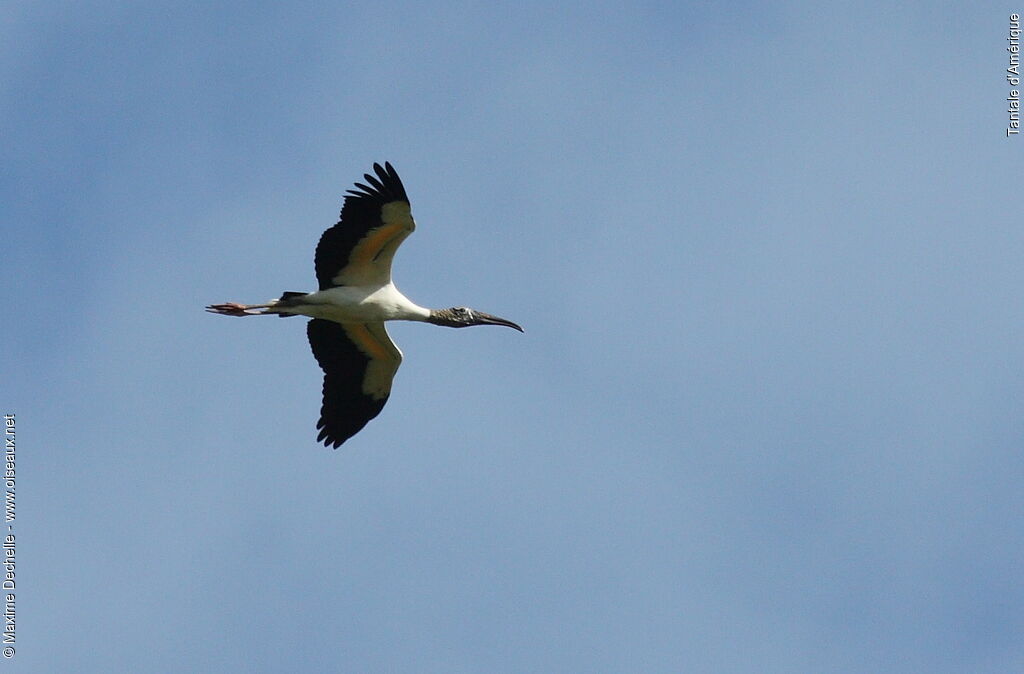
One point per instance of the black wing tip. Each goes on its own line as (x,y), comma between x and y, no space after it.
(385,186)
(326,437)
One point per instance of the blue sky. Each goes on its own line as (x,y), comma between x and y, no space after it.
(766,415)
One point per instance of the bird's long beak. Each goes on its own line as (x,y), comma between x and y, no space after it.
(488,319)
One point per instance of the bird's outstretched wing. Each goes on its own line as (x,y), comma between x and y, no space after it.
(375,219)
(359,361)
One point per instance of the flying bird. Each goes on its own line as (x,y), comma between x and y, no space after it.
(356,296)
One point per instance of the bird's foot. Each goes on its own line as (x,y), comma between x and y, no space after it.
(234,309)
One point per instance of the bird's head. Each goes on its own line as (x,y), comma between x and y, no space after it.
(463,317)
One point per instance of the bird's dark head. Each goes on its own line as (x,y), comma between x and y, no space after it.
(463,317)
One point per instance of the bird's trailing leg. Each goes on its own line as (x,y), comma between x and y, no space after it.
(235,309)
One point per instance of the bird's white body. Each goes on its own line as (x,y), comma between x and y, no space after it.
(359,304)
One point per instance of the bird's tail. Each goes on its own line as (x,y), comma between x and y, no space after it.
(288,299)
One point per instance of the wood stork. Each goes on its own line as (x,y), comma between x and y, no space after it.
(356,296)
